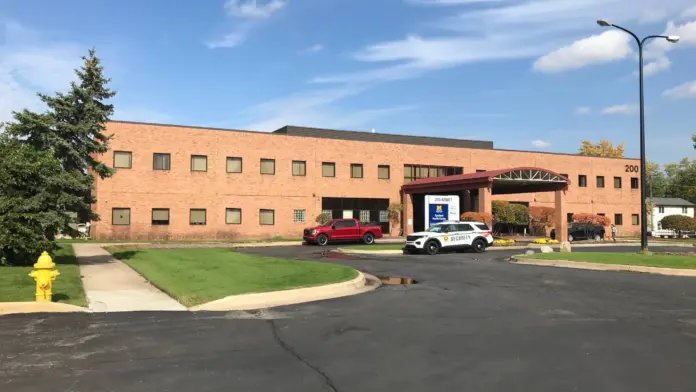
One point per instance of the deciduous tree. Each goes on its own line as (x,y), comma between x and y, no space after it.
(604,148)
(678,223)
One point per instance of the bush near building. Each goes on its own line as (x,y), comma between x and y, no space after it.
(323,219)
(678,223)
(509,215)
(541,218)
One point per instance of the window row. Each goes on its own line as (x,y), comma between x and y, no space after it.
(661,210)
(582,181)
(199,163)
(199,216)
(416,172)
(618,218)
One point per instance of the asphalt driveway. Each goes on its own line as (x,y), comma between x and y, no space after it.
(472,323)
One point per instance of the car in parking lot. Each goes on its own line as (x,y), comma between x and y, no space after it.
(450,236)
(343,230)
(582,231)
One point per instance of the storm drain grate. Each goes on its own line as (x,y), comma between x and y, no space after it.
(397,280)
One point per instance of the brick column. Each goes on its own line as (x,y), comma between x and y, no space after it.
(407,201)
(485,200)
(561,221)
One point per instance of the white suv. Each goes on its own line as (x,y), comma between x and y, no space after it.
(450,235)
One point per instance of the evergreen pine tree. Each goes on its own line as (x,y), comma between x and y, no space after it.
(72,129)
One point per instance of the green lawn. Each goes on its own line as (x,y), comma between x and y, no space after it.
(87,241)
(664,261)
(374,247)
(16,286)
(197,276)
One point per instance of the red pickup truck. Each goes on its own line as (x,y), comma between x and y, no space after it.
(343,230)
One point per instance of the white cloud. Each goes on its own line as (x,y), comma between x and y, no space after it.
(541,144)
(314,108)
(619,109)
(687,33)
(684,90)
(228,41)
(253,9)
(450,2)
(316,48)
(656,66)
(28,66)
(603,48)
(583,110)
(246,16)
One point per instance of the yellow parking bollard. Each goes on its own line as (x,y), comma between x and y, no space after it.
(44,274)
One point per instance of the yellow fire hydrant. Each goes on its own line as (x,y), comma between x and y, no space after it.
(44,274)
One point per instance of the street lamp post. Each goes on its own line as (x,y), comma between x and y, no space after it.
(643,207)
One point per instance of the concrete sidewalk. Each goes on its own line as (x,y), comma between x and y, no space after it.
(112,286)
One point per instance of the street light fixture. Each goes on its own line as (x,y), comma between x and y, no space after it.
(643,207)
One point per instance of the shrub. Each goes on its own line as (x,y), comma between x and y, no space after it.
(678,223)
(510,214)
(484,217)
(504,242)
(591,219)
(395,210)
(323,219)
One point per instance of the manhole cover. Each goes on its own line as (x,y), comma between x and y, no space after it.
(397,280)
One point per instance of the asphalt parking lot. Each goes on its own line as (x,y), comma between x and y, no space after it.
(474,322)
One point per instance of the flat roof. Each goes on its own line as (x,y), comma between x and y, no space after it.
(360,136)
(323,133)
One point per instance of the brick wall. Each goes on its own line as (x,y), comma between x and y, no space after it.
(141,188)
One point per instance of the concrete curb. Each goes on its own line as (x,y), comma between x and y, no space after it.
(606,267)
(370,252)
(39,307)
(355,286)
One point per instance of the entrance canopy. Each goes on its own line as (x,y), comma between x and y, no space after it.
(501,182)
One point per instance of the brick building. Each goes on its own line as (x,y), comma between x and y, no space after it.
(178,182)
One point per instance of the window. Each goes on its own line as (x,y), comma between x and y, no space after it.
(617,182)
(685,210)
(480,171)
(233,216)
(569,217)
(384,216)
(565,175)
(267,166)
(123,159)
(120,216)
(161,161)
(364,216)
(199,163)
(160,216)
(618,219)
(299,168)
(463,227)
(383,172)
(328,212)
(298,216)
(345,224)
(267,217)
(356,170)
(197,216)
(415,172)
(582,181)
(234,165)
(347,214)
(601,214)
(635,219)
(634,182)
(482,226)
(661,210)
(328,169)
(600,181)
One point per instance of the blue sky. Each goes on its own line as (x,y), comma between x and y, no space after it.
(531,75)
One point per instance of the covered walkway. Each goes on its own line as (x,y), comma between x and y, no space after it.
(476,191)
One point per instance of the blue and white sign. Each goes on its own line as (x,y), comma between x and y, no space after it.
(441,208)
